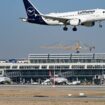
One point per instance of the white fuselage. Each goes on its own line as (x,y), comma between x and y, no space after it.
(83,15)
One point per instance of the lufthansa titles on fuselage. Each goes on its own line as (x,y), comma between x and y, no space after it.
(86,12)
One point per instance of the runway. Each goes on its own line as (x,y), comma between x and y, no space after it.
(89,98)
(51,95)
(77,88)
(80,87)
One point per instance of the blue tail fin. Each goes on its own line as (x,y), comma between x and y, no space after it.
(34,16)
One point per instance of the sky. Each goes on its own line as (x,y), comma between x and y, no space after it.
(18,39)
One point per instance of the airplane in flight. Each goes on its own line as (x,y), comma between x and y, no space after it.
(76,18)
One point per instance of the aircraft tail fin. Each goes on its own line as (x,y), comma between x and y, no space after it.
(33,15)
(31,11)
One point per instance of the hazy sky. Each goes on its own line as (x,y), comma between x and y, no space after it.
(18,39)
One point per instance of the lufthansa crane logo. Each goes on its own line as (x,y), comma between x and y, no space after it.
(31,11)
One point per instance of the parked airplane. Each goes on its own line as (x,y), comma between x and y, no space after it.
(76,18)
(74,83)
(5,80)
(55,81)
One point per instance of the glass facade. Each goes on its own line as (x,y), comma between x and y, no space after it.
(43,66)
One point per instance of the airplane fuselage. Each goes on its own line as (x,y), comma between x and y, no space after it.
(84,17)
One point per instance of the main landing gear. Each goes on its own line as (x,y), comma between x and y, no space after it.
(65,28)
(74,28)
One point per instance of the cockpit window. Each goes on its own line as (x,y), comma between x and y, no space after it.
(103,11)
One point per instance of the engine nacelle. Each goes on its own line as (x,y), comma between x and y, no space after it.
(74,22)
(88,24)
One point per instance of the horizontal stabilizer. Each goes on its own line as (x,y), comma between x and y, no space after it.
(23,19)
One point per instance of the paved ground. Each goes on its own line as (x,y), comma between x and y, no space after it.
(49,95)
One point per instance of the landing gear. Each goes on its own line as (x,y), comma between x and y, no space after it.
(65,28)
(74,29)
(100,25)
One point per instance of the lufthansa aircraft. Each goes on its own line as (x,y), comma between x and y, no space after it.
(84,17)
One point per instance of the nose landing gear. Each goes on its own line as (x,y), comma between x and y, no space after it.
(100,25)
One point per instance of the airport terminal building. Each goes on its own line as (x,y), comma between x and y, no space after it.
(86,67)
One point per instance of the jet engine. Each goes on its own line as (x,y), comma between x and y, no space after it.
(88,24)
(74,22)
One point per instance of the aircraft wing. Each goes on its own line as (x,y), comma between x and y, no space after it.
(60,19)
(65,20)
